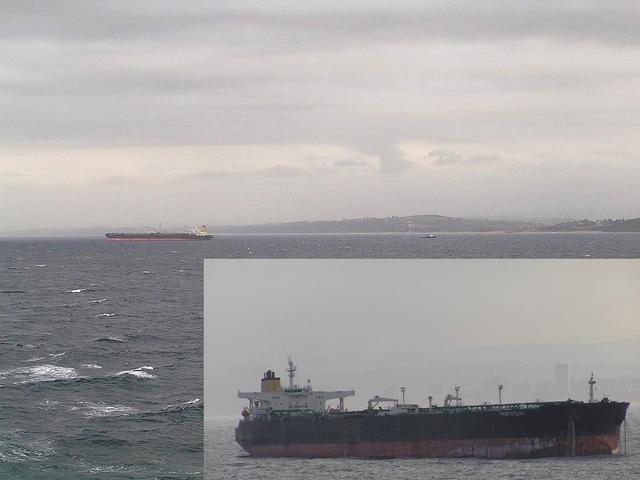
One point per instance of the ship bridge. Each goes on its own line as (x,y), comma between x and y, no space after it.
(294,398)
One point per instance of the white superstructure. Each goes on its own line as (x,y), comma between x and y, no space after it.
(201,231)
(294,398)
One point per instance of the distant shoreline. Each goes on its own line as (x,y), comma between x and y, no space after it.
(283,234)
(412,225)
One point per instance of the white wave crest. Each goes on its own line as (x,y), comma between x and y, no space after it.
(100,409)
(195,401)
(140,372)
(91,365)
(40,373)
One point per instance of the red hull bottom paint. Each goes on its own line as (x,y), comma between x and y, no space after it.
(151,239)
(483,448)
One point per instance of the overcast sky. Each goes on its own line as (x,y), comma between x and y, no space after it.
(236,112)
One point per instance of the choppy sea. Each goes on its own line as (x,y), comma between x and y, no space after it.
(100,360)
(101,356)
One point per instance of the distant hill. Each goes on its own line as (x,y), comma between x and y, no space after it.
(395,224)
(606,225)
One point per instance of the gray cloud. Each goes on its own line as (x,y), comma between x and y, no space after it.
(392,160)
(13,175)
(116,180)
(476,159)
(350,163)
(446,157)
(209,175)
(331,23)
(232,72)
(276,171)
(283,171)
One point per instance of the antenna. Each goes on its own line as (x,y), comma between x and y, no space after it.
(500,387)
(591,383)
(292,371)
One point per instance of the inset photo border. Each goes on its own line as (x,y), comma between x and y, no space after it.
(423,333)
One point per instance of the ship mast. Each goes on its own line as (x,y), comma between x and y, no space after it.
(291,370)
(591,382)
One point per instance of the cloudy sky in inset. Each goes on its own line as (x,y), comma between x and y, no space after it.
(135,113)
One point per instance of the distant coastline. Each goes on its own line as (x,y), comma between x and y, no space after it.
(418,224)
(607,225)
(423,224)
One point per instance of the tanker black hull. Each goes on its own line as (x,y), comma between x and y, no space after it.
(522,431)
(156,236)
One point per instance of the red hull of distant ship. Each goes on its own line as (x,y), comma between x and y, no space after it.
(482,448)
(172,237)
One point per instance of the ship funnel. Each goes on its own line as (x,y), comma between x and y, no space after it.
(270,383)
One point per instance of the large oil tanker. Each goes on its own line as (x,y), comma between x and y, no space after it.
(293,421)
(198,233)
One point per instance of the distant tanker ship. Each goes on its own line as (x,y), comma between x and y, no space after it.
(198,233)
(293,421)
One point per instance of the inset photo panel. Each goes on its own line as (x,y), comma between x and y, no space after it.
(315,367)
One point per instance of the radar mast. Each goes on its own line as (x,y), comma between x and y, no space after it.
(291,370)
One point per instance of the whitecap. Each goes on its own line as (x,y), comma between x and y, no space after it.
(140,372)
(47,372)
(146,272)
(97,301)
(76,290)
(91,365)
(110,339)
(40,265)
(100,409)
(58,354)
(12,452)
(40,373)
(49,404)
(106,315)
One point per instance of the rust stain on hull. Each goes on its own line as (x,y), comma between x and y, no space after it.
(480,448)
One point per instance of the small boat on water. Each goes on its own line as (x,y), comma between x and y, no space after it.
(430,235)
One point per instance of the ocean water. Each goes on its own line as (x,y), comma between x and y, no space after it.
(101,346)
(100,360)
(224,459)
